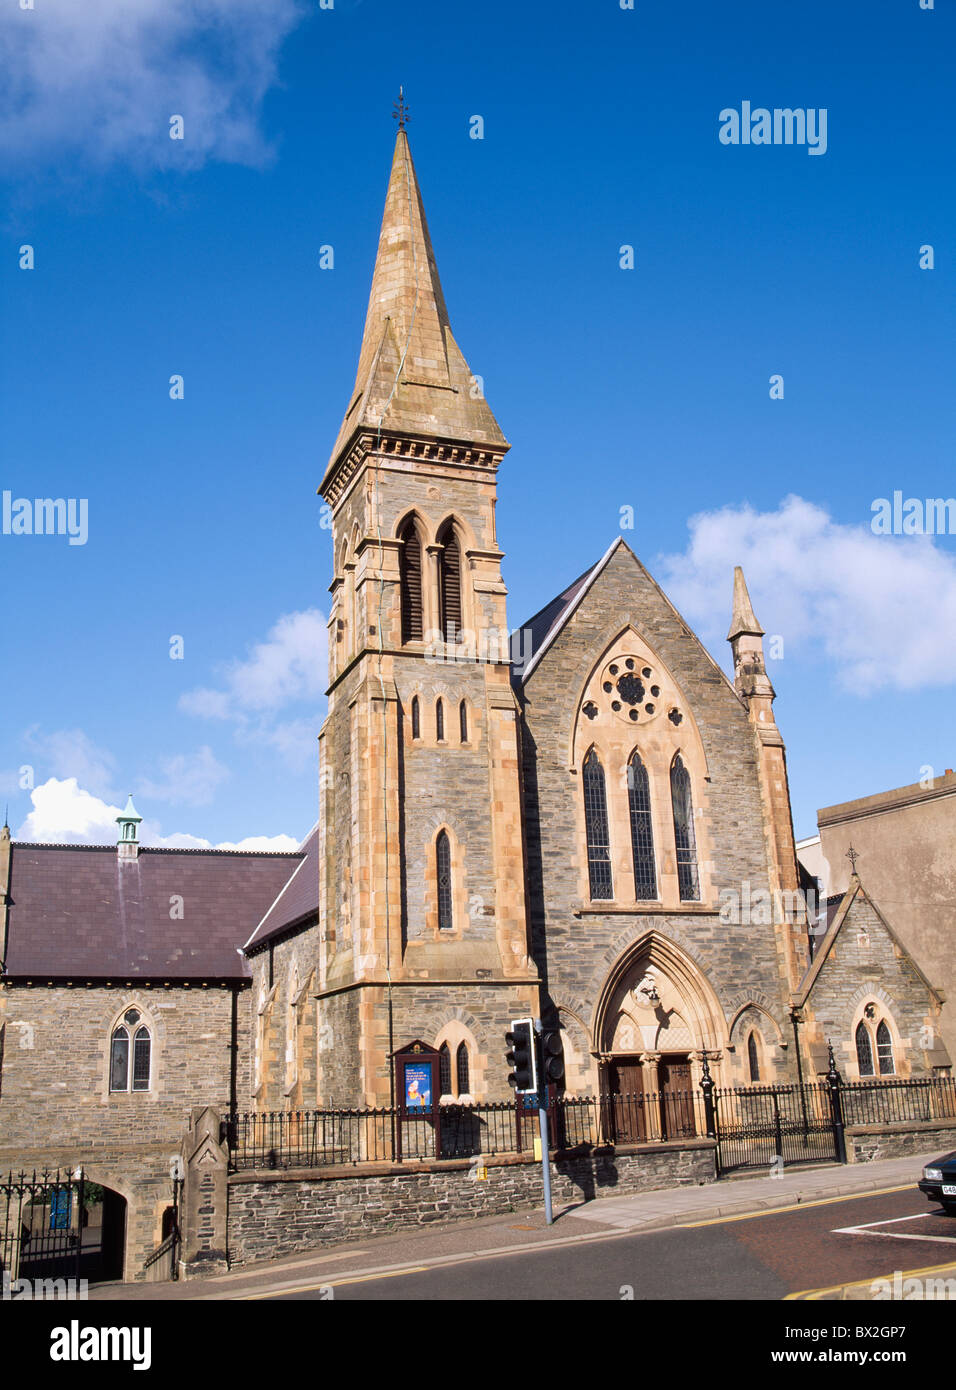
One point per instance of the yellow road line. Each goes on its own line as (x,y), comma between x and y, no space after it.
(868,1283)
(797,1206)
(332,1283)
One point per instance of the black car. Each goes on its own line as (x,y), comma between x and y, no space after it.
(939,1182)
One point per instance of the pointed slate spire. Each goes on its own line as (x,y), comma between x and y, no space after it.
(743,620)
(412,376)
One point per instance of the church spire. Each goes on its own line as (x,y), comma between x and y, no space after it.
(746,642)
(412,377)
(742,620)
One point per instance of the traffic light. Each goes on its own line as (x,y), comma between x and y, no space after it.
(521,1056)
(552,1057)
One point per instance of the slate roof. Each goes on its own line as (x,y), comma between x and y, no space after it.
(77,912)
(299,900)
(540,631)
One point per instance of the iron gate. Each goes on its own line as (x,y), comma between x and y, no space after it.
(41,1225)
(770,1126)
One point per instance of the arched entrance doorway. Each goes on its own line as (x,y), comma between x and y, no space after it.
(103,1246)
(656,1020)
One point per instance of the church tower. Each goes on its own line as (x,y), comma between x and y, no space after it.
(422,902)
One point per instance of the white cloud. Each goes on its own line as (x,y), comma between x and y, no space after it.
(288,668)
(100,79)
(65,813)
(881,608)
(188,778)
(71,753)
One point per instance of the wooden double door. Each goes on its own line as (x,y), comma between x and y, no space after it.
(636,1116)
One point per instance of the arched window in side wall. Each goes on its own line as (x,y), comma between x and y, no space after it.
(642,831)
(463,721)
(753,1058)
(884,1050)
(443,867)
(416,718)
(130,1066)
(439,719)
(461,1069)
(444,1070)
(449,584)
(595,820)
(119,1060)
(684,838)
(410,570)
(864,1050)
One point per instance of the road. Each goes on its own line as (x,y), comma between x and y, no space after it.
(769,1255)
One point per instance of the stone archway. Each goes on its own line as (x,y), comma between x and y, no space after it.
(656,1019)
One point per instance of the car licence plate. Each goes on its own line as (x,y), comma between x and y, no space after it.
(949,1189)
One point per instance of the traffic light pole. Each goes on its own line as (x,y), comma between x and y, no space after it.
(545,1156)
(528,1079)
(543,1126)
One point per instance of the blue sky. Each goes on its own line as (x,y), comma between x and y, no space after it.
(646,388)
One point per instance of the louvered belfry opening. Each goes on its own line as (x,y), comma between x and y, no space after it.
(410,565)
(449,584)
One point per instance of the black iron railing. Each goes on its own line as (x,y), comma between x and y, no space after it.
(327,1138)
(754,1125)
(41,1224)
(883,1100)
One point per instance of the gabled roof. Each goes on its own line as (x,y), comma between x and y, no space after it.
(836,919)
(543,628)
(77,911)
(298,903)
(412,376)
(546,625)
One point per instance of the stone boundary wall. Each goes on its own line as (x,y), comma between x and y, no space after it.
(867,1143)
(273,1214)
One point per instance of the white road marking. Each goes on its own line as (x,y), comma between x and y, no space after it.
(868,1229)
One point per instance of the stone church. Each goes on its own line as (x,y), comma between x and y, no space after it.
(585,821)
(564,833)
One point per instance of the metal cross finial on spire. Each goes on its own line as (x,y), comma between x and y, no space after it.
(852,855)
(400,113)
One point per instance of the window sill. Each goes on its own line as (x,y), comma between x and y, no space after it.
(610,908)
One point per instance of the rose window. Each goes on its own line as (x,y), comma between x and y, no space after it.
(632,691)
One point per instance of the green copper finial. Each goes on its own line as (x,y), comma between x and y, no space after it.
(128,822)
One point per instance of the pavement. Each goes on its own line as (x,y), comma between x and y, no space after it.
(418,1247)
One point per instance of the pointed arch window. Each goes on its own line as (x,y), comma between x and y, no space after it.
(416,718)
(864,1050)
(462,1070)
(642,830)
(463,721)
(596,826)
(753,1057)
(449,583)
(444,1070)
(684,838)
(410,571)
(443,868)
(130,1054)
(439,719)
(884,1050)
